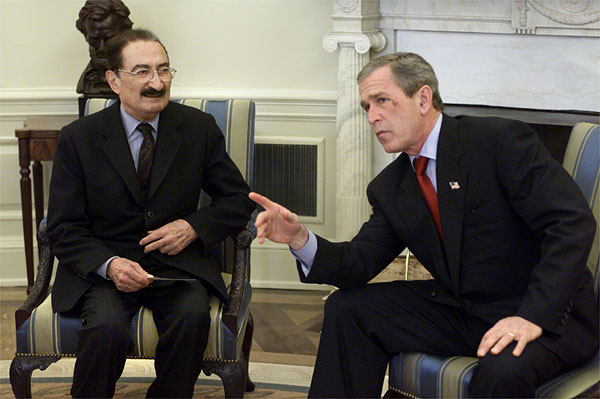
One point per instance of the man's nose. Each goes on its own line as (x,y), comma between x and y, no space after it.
(373,115)
(155,81)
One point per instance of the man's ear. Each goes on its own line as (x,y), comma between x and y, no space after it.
(425,97)
(113,80)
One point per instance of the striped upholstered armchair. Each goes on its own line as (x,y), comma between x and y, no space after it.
(418,375)
(43,337)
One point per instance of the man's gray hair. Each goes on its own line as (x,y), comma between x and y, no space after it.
(410,71)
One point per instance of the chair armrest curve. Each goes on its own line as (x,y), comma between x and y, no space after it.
(241,258)
(39,290)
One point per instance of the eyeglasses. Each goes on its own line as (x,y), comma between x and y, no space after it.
(164,73)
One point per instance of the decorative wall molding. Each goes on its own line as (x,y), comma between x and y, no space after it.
(16,104)
(32,95)
(346,6)
(558,17)
(449,23)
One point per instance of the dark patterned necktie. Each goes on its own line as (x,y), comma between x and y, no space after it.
(145,158)
(428,191)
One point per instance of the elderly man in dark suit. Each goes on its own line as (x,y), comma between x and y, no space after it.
(123,209)
(500,225)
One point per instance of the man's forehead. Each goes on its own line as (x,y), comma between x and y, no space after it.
(146,52)
(379,82)
(375,87)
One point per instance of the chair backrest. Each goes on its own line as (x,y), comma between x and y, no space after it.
(582,161)
(235,118)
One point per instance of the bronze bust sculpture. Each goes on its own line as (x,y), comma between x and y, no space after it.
(99,20)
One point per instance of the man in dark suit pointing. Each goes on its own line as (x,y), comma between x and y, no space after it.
(500,225)
(123,209)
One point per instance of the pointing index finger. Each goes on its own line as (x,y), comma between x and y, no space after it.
(260,200)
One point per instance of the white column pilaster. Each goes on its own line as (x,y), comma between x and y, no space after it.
(356,34)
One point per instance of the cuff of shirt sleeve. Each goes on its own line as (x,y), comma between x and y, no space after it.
(306,254)
(101,270)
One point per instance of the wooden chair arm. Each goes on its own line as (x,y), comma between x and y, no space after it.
(39,291)
(241,258)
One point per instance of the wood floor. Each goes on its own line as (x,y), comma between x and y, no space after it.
(287,322)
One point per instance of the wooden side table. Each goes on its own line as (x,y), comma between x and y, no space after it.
(37,141)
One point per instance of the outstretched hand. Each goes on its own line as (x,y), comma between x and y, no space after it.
(278,224)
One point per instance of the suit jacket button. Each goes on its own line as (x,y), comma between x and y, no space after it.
(563,322)
(150,214)
(467,303)
(433,294)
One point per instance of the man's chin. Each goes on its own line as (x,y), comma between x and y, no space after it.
(154,105)
(387,146)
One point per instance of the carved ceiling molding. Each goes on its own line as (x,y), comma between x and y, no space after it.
(362,42)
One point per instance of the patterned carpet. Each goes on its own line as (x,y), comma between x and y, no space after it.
(272,381)
(138,390)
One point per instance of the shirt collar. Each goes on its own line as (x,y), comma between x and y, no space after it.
(429,149)
(130,123)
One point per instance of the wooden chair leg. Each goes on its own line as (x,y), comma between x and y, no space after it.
(233,375)
(246,346)
(20,372)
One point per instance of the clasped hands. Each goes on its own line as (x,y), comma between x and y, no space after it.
(280,225)
(170,239)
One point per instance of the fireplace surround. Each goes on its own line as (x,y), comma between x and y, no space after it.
(553,127)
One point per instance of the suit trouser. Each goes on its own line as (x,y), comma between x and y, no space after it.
(182,316)
(364,328)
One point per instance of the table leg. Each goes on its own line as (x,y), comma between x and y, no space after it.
(26,211)
(38,194)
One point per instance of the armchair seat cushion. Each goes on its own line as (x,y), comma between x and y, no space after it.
(54,334)
(428,376)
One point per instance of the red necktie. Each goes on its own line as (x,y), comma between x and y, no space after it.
(428,191)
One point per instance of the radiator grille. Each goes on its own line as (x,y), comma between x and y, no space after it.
(287,174)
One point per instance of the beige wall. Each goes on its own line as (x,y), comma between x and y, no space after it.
(224,44)
(266,50)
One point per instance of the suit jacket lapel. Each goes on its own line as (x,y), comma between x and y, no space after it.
(451,198)
(116,148)
(167,145)
(415,215)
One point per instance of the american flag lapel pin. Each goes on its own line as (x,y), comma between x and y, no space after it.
(454,185)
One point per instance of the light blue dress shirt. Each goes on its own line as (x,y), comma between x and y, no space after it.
(135,138)
(306,254)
